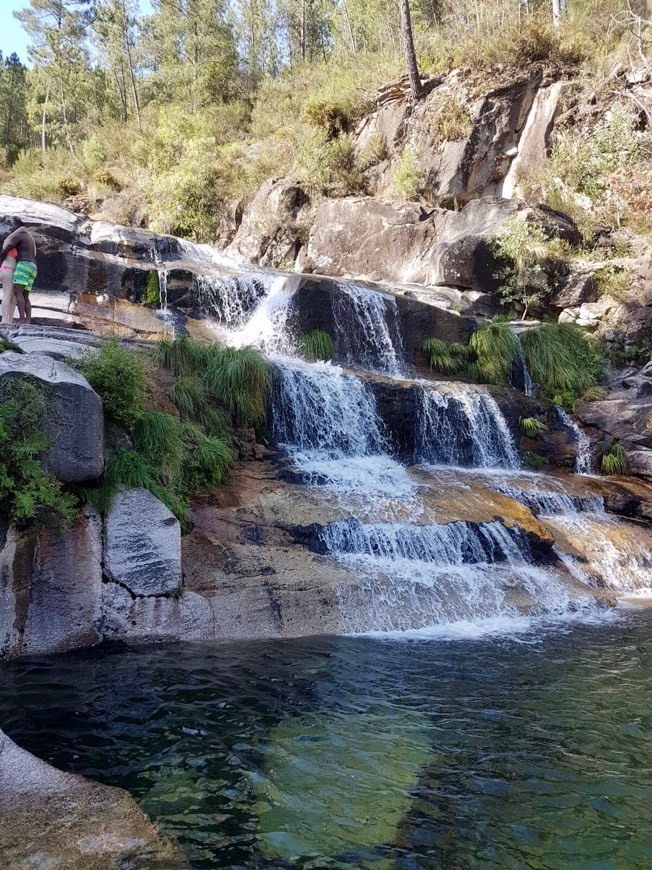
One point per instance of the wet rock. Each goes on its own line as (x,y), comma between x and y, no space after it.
(74,419)
(370,239)
(51,587)
(57,342)
(52,819)
(142,550)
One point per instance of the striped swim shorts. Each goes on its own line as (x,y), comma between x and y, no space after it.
(25,274)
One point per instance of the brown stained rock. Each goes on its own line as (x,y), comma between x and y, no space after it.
(55,819)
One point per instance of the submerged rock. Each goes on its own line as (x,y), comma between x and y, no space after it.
(142,550)
(52,819)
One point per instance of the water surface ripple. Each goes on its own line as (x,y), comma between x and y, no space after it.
(530,752)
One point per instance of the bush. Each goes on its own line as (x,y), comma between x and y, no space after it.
(407,177)
(152,294)
(240,379)
(317,345)
(26,491)
(441,358)
(563,361)
(523,278)
(118,375)
(453,121)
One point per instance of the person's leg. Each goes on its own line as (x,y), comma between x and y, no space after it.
(28,308)
(20,294)
(8,301)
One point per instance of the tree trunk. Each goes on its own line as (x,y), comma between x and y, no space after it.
(410,55)
(556,12)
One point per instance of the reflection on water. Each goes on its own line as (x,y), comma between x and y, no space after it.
(355,752)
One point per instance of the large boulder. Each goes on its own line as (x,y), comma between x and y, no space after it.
(273,225)
(54,341)
(370,239)
(52,819)
(464,254)
(142,550)
(74,419)
(186,617)
(51,587)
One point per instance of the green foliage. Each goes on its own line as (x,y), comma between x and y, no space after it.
(613,281)
(408,180)
(374,151)
(152,294)
(562,360)
(317,345)
(497,349)
(522,246)
(614,461)
(240,378)
(118,376)
(531,427)
(534,460)
(182,356)
(441,357)
(26,491)
(188,393)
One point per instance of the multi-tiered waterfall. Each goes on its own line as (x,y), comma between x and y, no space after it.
(445,527)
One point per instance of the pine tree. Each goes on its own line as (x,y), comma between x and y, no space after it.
(14,130)
(115,24)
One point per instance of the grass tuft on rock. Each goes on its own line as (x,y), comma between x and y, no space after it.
(563,361)
(531,427)
(241,380)
(441,358)
(497,348)
(614,461)
(317,345)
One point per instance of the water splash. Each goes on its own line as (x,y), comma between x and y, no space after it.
(230,299)
(463,426)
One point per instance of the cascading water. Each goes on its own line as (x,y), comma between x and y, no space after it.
(229,299)
(462,425)
(162,281)
(583,456)
(368,329)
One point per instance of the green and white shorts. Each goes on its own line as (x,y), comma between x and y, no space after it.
(25,274)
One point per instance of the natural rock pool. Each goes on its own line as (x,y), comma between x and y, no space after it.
(525,751)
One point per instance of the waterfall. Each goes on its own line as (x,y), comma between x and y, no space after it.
(519,376)
(583,456)
(229,299)
(548,503)
(368,329)
(463,426)
(162,280)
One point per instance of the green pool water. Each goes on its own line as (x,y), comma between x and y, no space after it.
(532,751)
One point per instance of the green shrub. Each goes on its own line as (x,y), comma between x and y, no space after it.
(152,294)
(27,492)
(531,427)
(523,278)
(118,376)
(614,461)
(534,460)
(182,356)
(188,393)
(408,180)
(317,345)
(562,360)
(374,151)
(613,281)
(497,349)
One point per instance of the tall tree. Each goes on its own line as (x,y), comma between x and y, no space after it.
(57,30)
(115,25)
(410,54)
(14,131)
(556,12)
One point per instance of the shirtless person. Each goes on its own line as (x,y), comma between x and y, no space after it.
(25,273)
(7,269)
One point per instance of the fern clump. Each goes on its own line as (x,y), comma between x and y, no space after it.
(614,461)
(317,345)
(562,360)
(497,348)
(531,427)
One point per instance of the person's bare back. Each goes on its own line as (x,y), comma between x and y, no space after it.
(22,240)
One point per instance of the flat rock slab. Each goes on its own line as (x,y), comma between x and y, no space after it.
(56,342)
(74,417)
(52,819)
(142,544)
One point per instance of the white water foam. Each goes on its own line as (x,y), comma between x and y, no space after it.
(583,457)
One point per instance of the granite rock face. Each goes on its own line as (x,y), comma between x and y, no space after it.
(51,588)
(52,819)
(142,549)
(74,418)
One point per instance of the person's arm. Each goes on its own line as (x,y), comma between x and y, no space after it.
(10,242)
